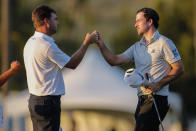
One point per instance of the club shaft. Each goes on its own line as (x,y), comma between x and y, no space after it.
(157,112)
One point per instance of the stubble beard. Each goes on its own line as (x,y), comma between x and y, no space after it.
(53,31)
(140,33)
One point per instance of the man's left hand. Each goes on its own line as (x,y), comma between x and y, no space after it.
(154,86)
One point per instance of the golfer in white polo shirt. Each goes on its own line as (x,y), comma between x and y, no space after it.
(44,62)
(155,55)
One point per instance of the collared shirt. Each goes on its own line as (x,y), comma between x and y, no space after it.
(43,63)
(153,58)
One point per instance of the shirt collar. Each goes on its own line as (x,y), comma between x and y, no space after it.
(154,37)
(44,36)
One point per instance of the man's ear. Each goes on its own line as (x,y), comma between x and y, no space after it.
(46,22)
(150,21)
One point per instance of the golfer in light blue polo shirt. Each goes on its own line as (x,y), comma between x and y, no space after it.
(155,55)
(154,58)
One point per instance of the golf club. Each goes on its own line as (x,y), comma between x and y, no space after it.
(157,111)
(156,108)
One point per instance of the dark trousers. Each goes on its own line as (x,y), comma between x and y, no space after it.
(146,116)
(45,112)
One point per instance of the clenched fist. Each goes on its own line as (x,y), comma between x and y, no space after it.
(15,66)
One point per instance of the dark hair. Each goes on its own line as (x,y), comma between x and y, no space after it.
(150,14)
(40,13)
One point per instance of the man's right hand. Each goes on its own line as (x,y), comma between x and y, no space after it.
(15,66)
(89,39)
(99,40)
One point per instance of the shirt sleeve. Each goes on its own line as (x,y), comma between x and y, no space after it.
(129,53)
(57,56)
(170,52)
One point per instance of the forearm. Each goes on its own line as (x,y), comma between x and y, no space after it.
(177,70)
(77,57)
(108,55)
(5,76)
(167,79)
(171,76)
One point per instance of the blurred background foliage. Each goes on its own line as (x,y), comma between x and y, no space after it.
(115,20)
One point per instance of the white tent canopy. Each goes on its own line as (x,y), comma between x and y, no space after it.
(93,85)
(97,85)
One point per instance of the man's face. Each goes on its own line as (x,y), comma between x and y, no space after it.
(53,22)
(141,24)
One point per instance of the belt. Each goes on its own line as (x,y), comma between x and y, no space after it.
(145,96)
(47,96)
(150,96)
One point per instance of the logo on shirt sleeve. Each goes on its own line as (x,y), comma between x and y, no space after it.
(175,52)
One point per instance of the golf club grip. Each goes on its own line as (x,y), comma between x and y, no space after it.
(147,76)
